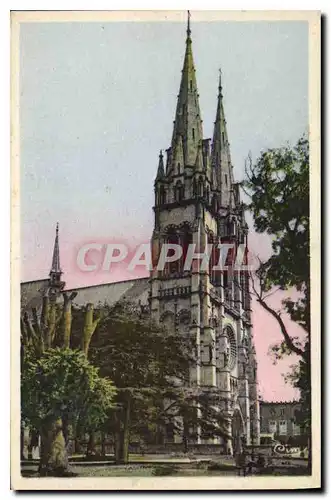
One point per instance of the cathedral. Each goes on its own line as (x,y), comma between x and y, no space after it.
(196,201)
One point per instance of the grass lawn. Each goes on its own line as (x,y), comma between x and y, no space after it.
(167,469)
(129,471)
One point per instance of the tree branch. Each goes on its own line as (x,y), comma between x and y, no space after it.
(288,340)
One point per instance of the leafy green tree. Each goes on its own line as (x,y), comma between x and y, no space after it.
(51,372)
(278,188)
(149,367)
(61,381)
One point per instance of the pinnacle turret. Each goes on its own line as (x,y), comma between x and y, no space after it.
(160,170)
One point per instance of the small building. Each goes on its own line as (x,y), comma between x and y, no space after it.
(281,419)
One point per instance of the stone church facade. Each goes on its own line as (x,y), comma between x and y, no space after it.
(196,201)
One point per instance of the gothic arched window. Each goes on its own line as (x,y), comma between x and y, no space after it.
(179,191)
(200,186)
(168,320)
(172,267)
(232,226)
(212,259)
(195,188)
(186,240)
(162,195)
(215,203)
(232,350)
(207,194)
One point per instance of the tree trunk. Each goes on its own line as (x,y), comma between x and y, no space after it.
(185,435)
(78,438)
(78,447)
(118,447)
(65,429)
(22,442)
(33,443)
(91,445)
(309,453)
(160,438)
(126,432)
(53,453)
(103,444)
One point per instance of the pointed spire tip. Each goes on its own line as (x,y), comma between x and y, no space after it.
(220,81)
(188,31)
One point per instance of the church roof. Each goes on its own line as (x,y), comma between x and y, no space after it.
(132,290)
(135,291)
(32,292)
(293,402)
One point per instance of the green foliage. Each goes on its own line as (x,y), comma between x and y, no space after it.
(63,382)
(141,358)
(143,354)
(300,378)
(149,367)
(164,470)
(278,187)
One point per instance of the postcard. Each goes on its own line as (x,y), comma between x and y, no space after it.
(165,250)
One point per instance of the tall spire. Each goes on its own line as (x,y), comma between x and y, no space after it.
(221,158)
(56,269)
(188,123)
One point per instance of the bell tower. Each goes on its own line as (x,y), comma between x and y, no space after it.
(198,203)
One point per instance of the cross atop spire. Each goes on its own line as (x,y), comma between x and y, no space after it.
(188,31)
(220,82)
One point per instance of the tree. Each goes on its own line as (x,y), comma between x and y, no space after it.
(50,376)
(278,188)
(59,382)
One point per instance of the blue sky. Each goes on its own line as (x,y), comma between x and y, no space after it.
(98,102)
